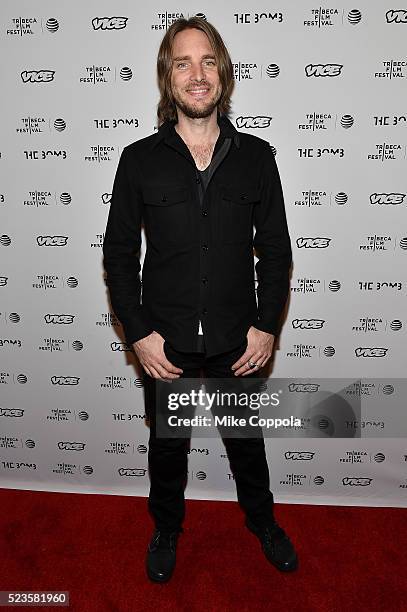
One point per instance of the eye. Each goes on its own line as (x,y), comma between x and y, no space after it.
(181,64)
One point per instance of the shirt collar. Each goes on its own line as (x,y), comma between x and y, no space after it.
(227,130)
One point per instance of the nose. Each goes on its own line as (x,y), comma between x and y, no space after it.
(197,73)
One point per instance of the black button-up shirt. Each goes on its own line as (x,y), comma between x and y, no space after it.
(199,263)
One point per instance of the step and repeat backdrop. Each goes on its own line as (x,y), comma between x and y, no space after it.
(326,86)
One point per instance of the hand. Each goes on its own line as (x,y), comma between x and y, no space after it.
(258,351)
(150,351)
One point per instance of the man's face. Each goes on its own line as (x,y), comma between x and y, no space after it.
(194,80)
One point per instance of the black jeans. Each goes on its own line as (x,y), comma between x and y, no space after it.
(168,457)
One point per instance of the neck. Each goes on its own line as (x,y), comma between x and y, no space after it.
(198,131)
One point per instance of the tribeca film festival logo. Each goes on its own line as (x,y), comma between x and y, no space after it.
(369,389)
(52,241)
(99,154)
(310,351)
(118,448)
(312,242)
(325,121)
(38,199)
(37,76)
(358,456)
(392,69)
(377,324)
(377,243)
(60,415)
(386,151)
(164,20)
(248,122)
(98,243)
(53,345)
(7,378)
(109,23)
(39,125)
(115,382)
(307,285)
(54,281)
(23,26)
(312,197)
(389,198)
(323,17)
(71,469)
(100,75)
(107,319)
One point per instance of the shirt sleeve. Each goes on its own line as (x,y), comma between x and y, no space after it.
(121,250)
(272,246)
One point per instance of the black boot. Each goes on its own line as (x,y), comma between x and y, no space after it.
(161,555)
(276,545)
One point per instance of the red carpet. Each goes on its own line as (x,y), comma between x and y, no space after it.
(351,559)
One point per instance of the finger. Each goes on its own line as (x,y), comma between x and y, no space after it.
(163,372)
(242,360)
(147,370)
(246,369)
(170,367)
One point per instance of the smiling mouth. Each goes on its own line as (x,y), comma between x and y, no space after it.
(198,92)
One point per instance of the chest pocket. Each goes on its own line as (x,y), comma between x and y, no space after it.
(235,219)
(167,214)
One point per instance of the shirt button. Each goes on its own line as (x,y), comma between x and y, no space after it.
(204,311)
(204,279)
(205,247)
(164,198)
(204,213)
(243,197)
(198,180)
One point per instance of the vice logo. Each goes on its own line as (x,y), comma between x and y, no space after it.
(3,281)
(387,198)
(11,412)
(37,76)
(52,241)
(366,351)
(109,23)
(323,70)
(59,319)
(119,346)
(356,482)
(77,446)
(132,471)
(308,323)
(253,122)
(398,16)
(299,455)
(303,387)
(65,380)
(313,243)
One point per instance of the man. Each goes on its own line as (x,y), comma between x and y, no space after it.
(199,186)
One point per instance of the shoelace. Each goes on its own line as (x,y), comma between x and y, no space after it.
(164,540)
(274,532)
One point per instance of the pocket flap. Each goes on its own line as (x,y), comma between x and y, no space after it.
(241,194)
(164,196)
